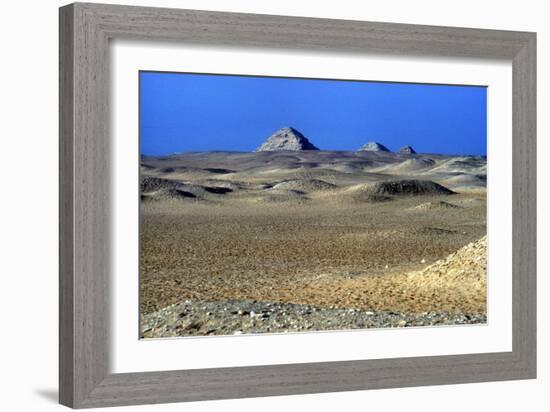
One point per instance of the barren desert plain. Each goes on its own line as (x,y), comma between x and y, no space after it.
(308,240)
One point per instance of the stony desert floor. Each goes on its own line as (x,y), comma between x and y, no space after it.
(286,241)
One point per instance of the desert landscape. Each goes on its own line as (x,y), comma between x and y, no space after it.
(291,238)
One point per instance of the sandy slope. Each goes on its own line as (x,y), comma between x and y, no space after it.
(454,284)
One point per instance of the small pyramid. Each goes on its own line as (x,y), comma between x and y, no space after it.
(373,147)
(407,150)
(286,138)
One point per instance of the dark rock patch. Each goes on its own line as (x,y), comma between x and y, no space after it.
(409,187)
(218,170)
(152,184)
(218,190)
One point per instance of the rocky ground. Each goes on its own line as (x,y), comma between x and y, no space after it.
(234,317)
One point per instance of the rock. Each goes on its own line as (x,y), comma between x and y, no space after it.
(407,150)
(373,147)
(153,184)
(286,138)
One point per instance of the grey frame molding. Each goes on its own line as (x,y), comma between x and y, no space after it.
(85,31)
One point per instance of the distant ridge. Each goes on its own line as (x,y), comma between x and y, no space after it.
(407,150)
(373,147)
(286,138)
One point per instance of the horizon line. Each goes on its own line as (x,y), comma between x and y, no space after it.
(313,151)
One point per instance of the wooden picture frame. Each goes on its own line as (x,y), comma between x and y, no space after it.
(85,31)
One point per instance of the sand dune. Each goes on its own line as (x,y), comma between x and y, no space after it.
(305,185)
(465,181)
(409,165)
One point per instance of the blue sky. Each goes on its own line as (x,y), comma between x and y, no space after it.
(182,112)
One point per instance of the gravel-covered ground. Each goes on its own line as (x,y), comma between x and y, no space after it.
(233,317)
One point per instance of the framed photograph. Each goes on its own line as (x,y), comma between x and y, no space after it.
(256,205)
